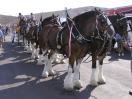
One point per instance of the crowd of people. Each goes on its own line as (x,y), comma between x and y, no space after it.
(13,29)
(3,32)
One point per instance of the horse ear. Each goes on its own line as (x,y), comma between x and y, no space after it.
(57,15)
(95,9)
(53,15)
(66,13)
(99,9)
(41,18)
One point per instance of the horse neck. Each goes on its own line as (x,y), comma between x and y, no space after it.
(114,20)
(86,25)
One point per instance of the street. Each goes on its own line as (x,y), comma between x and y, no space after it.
(21,79)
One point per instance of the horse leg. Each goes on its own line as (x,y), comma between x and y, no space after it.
(41,58)
(37,50)
(29,48)
(76,78)
(68,81)
(36,53)
(51,71)
(33,52)
(101,79)
(93,80)
(18,39)
(48,66)
(0,42)
(122,49)
(119,48)
(45,72)
(23,39)
(109,46)
(26,46)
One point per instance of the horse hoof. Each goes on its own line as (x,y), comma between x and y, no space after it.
(93,83)
(45,75)
(108,53)
(39,62)
(77,85)
(68,88)
(37,56)
(52,72)
(130,92)
(101,79)
(101,83)
(32,57)
(68,82)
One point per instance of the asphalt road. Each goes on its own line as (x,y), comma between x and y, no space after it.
(21,79)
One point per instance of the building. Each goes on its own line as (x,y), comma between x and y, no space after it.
(125,10)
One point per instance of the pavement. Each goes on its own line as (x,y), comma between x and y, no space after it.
(20,78)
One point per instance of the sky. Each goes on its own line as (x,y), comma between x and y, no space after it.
(13,7)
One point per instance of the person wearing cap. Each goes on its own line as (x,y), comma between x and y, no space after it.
(32,19)
(20,16)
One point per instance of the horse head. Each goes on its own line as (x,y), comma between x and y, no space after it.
(122,24)
(103,23)
(22,21)
(52,20)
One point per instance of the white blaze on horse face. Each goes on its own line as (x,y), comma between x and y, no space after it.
(111,26)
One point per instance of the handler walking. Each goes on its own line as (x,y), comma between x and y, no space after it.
(1,36)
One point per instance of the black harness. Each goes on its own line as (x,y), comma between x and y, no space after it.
(77,36)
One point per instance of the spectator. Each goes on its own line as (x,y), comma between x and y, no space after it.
(1,37)
(13,33)
(4,32)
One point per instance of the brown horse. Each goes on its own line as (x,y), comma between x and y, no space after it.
(48,25)
(88,33)
(23,27)
(33,38)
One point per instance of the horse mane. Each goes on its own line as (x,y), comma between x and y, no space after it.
(84,16)
(22,21)
(81,19)
(115,19)
(46,20)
